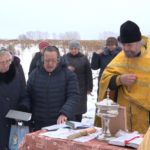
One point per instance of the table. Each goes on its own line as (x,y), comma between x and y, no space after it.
(35,141)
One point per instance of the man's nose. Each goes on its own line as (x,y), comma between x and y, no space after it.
(127,48)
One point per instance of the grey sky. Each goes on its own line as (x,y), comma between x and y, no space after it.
(87,17)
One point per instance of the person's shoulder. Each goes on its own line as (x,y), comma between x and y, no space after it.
(16,60)
(34,72)
(38,54)
(119,57)
(85,58)
(119,49)
(80,54)
(96,55)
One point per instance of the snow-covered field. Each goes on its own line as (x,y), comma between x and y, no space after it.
(88,118)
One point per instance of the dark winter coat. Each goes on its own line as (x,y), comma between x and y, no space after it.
(35,61)
(84,74)
(13,95)
(52,94)
(19,68)
(100,61)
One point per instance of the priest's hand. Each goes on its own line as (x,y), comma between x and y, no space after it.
(61,119)
(127,79)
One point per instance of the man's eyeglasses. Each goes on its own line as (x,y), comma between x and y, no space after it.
(5,62)
(51,61)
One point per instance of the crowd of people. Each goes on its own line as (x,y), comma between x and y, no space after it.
(57,86)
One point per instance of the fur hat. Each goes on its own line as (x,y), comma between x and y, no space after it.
(129,32)
(74,44)
(43,44)
(111,41)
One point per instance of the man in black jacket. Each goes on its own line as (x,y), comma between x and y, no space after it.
(102,58)
(53,90)
(80,65)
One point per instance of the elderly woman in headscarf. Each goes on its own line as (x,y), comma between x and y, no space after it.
(12,94)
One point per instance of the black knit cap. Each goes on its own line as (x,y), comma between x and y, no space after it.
(129,32)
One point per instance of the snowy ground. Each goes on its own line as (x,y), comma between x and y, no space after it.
(88,118)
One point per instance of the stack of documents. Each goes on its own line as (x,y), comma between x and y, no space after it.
(64,131)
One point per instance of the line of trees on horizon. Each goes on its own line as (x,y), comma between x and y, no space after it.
(38,35)
(70,35)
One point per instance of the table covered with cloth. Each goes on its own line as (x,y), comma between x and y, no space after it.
(35,141)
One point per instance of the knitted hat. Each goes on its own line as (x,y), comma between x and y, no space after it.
(43,44)
(129,32)
(74,44)
(111,41)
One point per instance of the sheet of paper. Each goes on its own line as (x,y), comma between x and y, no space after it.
(55,127)
(77,125)
(127,139)
(63,133)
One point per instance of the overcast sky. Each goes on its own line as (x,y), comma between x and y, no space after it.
(87,17)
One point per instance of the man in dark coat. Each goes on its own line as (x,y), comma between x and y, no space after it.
(53,90)
(12,94)
(19,68)
(78,63)
(37,57)
(102,58)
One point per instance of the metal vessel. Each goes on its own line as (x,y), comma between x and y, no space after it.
(106,109)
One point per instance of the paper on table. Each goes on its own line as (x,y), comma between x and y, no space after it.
(64,133)
(136,142)
(76,125)
(128,139)
(88,137)
(61,133)
(55,127)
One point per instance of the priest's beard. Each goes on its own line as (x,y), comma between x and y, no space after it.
(131,54)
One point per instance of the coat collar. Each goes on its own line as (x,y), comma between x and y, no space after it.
(8,76)
(106,51)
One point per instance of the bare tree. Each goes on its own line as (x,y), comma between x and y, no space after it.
(22,37)
(106,34)
(34,35)
(69,36)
